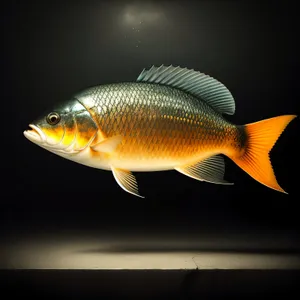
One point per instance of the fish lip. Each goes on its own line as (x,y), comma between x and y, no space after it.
(35,134)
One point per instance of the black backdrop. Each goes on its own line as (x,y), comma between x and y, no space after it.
(54,49)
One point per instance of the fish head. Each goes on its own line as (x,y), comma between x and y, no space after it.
(66,129)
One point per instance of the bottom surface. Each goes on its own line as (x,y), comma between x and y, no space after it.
(148,284)
(90,266)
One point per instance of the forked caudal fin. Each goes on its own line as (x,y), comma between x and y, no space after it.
(261,137)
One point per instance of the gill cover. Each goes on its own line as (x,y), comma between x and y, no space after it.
(86,128)
(75,130)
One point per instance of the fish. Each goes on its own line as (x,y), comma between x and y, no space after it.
(169,118)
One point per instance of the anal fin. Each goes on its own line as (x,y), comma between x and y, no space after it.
(211,170)
(126,181)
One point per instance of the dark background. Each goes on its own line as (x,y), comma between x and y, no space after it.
(52,50)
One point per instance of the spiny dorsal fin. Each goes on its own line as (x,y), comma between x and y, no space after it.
(198,84)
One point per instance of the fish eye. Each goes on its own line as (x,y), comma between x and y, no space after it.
(53,118)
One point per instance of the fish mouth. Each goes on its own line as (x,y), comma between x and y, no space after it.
(34,134)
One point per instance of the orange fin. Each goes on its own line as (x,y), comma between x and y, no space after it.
(261,137)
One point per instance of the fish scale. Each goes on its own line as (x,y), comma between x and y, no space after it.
(170,124)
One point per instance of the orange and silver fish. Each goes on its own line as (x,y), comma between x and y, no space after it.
(171,118)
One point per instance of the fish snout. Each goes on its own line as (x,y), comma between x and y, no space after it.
(34,134)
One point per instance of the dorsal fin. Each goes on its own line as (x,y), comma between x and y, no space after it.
(198,84)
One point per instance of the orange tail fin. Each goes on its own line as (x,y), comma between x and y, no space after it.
(261,137)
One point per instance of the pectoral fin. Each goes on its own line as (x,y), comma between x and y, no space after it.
(211,169)
(108,145)
(126,181)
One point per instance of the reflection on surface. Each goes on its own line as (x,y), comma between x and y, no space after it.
(66,251)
